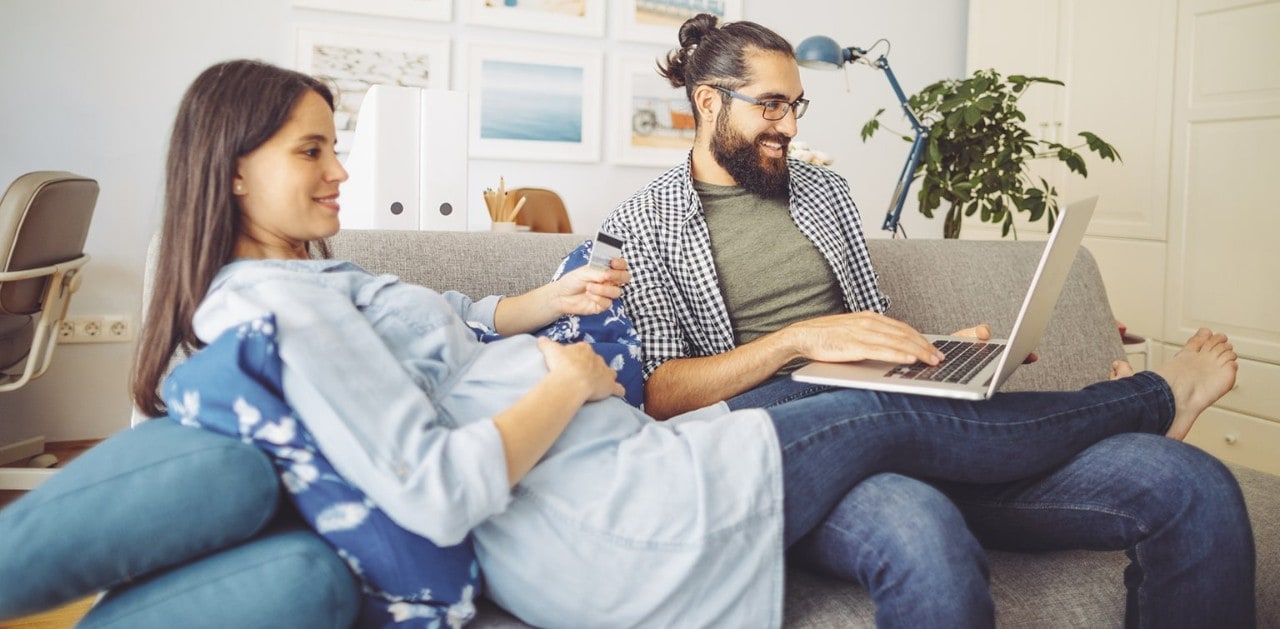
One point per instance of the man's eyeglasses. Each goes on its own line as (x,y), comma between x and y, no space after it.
(771,109)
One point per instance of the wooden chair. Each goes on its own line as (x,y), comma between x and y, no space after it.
(543,211)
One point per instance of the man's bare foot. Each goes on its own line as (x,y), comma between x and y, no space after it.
(1120,369)
(1201,373)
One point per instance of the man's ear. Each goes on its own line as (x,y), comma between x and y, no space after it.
(707,101)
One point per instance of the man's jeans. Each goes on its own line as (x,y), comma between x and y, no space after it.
(916,546)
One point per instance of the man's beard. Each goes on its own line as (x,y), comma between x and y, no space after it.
(762,176)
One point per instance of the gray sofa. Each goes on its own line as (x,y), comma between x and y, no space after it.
(936,286)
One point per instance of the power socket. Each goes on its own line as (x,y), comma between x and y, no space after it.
(96,329)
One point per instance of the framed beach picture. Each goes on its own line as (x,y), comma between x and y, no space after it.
(351,61)
(436,10)
(653,122)
(575,17)
(659,21)
(536,104)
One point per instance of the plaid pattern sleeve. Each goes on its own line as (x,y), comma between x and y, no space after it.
(824,211)
(674,297)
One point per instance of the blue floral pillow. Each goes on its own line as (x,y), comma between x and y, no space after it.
(610,333)
(233,386)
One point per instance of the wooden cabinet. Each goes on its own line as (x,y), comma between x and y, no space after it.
(1186,228)
(1117,60)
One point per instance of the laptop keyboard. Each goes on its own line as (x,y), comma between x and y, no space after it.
(964,359)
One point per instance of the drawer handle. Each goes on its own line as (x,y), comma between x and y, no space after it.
(1231,438)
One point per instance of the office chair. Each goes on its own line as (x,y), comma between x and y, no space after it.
(543,211)
(44,222)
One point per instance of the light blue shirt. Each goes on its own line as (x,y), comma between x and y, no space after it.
(625,521)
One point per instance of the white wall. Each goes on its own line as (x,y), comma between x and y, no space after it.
(91,86)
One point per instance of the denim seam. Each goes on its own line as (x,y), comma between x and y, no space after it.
(800,395)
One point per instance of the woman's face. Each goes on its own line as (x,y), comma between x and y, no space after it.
(288,187)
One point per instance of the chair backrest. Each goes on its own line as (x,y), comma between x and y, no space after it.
(543,211)
(44,223)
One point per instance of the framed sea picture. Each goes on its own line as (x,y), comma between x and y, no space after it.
(659,21)
(536,104)
(436,10)
(351,61)
(653,122)
(574,17)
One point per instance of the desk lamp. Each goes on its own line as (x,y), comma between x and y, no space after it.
(823,53)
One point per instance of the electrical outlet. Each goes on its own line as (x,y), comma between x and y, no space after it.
(91,327)
(117,328)
(96,329)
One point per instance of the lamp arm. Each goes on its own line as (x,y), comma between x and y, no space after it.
(899,197)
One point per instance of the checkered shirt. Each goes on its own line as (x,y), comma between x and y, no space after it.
(674,296)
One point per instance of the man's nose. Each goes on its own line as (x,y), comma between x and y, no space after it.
(787,125)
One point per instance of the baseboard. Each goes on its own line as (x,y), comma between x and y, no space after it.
(24,479)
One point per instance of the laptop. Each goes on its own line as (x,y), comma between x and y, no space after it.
(974,370)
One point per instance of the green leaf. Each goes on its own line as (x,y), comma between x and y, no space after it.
(1073,161)
(1035,205)
(870,129)
(1041,79)
(1100,146)
(972,115)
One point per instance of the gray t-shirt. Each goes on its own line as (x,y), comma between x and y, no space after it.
(771,275)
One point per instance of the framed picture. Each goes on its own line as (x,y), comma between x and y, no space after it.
(575,17)
(536,104)
(653,122)
(436,10)
(351,61)
(659,21)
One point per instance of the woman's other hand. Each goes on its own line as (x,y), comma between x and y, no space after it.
(575,375)
(580,366)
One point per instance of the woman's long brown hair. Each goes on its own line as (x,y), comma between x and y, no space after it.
(231,109)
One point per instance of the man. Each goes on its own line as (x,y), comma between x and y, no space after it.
(745,264)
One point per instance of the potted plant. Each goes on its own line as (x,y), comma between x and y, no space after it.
(977,155)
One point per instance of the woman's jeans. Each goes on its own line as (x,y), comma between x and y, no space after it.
(1024,471)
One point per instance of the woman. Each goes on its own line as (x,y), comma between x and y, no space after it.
(583,510)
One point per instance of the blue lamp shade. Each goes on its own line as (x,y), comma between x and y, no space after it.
(821,53)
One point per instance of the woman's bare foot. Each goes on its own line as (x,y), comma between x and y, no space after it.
(1201,373)
(1121,369)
